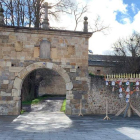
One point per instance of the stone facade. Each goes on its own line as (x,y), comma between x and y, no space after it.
(19,55)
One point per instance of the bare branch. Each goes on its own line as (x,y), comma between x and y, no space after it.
(99,26)
(78,13)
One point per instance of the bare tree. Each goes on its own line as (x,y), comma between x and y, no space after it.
(78,13)
(29,12)
(129,51)
(98,26)
(59,7)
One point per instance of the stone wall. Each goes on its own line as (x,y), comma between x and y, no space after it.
(19,55)
(52,83)
(100,70)
(99,93)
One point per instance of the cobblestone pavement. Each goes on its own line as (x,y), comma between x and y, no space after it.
(58,126)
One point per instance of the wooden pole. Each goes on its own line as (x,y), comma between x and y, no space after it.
(80,114)
(126,109)
(106,117)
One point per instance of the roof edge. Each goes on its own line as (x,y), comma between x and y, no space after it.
(40,30)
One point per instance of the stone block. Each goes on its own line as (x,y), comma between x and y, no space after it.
(9,90)
(5,81)
(66,66)
(7,98)
(16,98)
(75,111)
(68,110)
(72,70)
(39,65)
(58,69)
(78,87)
(78,78)
(29,46)
(55,67)
(77,95)
(36,52)
(54,53)
(30,67)
(66,77)
(69,97)
(16,92)
(67,102)
(23,73)
(4,86)
(73,64)
(84,111)
(75,101)
(15,69)
(12,37)
(68,92)
(4,94)
(17,83)
(69,86)
(77,106)
(2,63)
(18,105)
(84,79)
(49,65)
(8,64)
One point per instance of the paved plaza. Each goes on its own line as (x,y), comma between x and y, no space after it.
(58,126)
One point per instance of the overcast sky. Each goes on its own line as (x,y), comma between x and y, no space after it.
(123,16)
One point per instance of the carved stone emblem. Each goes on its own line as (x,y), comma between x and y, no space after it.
(18,46)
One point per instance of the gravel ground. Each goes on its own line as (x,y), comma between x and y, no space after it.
(51,104)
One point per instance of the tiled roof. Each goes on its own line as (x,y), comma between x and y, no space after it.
(104,60)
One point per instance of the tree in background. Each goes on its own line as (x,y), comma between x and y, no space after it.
(129,51)
(28,13)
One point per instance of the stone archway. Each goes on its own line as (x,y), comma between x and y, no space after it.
(25,71)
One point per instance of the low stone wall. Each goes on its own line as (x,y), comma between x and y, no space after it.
(99,70)
(99,93)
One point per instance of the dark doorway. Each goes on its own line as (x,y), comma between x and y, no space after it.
(40,89)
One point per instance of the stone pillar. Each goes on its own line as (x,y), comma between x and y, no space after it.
(45,24)
(1,15)
(85,24)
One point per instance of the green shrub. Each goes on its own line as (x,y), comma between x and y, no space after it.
(22,111)
(63,107)
(34,101)
(96,76)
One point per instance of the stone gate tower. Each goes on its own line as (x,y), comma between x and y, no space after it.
(23,50)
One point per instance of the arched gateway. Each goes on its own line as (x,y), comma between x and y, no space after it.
(25,71)
(21,53)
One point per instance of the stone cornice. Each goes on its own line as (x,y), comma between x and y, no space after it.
(46,32)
